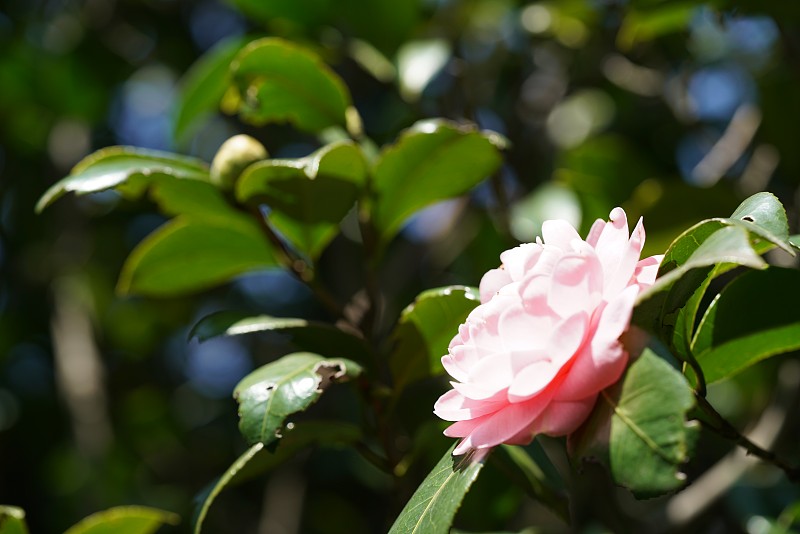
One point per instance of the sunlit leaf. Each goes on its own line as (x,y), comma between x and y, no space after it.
(434,505)
(12,520)
(308,197)
(431,161)
(204,84)
(259,459)
(756,316)
(639,428)
(124,520)
(186,255)
(703,252)
(764,215)
(122,167)
(281,82)
(425,329)
(313,336)
(273,392)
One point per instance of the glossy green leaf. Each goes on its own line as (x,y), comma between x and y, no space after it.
(425,329)
(313,336)
(308,197)
(639,428)
(12,520)
(186,255)
(259,459)
(431,161)
(703,252)
(756,316)
(204,84)
(434,505)
(125,168)
(271,393)
(124,520)
(282,82)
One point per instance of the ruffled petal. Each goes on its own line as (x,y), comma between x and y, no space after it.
(559,233)
(492,282)
(576,285)
(506,423)
(453,406)
(619,278)
(646,271)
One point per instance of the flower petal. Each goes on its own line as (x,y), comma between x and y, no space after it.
(559,233)
(492,282)
(453,406)
(647,270)
(576,285)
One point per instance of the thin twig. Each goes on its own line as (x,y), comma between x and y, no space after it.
(298,266)
(725,429)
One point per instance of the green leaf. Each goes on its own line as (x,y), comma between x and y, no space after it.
(205,83)
(638,427)
(12,520)
(434,505)
(126,168)
(313,336)
(271,393)
(124,520)
(277,12)
(431,161)
(756,316)
(522,469)
(425,329)
(259,459)
(196,200)
(764,215)
(642,26)
(186,255)
(702,253)
(308,197)
(281,82)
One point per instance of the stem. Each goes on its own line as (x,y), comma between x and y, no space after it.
(299,267)
(374,458)
(725,429)
(700,388)
(499,189)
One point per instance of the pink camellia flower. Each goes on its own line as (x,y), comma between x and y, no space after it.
(533,356)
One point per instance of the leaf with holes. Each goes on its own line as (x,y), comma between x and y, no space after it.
(12,520)
(281,82)
(425,329)
(434,505)
(639,428)
(126,169)
(125,520)
(273,392)
(754,317)
(259,459)
(703,252)
(431,161)
(308,197)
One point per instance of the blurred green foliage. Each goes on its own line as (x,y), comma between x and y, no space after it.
(674,110)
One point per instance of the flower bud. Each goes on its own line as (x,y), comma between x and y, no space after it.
(233,157)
